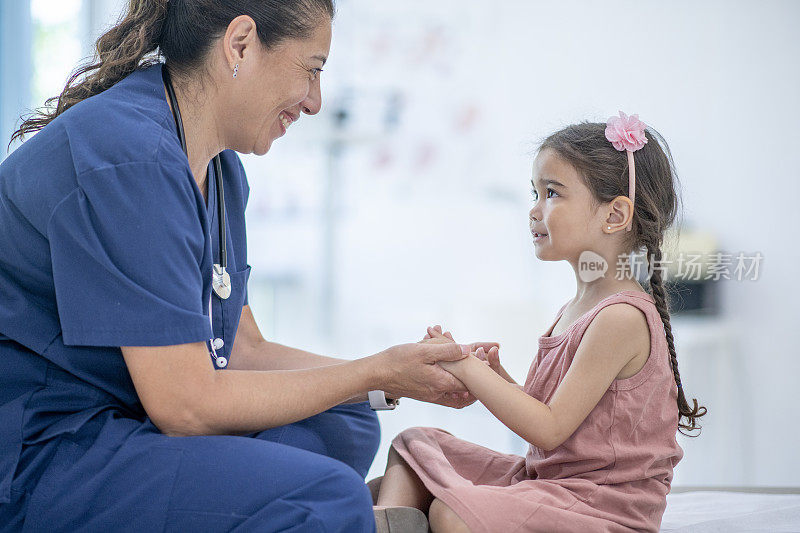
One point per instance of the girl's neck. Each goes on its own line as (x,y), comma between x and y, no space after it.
(601,271)
(595,291)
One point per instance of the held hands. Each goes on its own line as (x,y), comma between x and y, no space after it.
(488,352)
(412,371)
(418,370)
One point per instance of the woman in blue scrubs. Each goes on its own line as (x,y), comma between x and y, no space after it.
(113,414)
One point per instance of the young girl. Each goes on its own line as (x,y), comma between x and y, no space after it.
(603,398)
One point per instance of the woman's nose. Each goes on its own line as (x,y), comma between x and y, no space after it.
(313,102)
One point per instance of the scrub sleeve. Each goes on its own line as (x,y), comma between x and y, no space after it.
(129,253)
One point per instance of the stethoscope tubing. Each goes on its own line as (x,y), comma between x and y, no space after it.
(223,252)
(176,113)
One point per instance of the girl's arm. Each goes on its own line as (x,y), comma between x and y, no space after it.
(609,343)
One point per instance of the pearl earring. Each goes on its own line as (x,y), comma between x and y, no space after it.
(236,70)
(609,227)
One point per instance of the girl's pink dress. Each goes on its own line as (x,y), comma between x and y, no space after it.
(612,474)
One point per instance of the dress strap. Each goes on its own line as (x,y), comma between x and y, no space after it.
(658,342)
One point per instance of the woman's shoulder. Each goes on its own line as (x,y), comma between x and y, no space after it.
(129,122)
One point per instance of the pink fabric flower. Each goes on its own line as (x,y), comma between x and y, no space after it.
(626,132)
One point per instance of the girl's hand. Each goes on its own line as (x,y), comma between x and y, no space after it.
(488,352)
(435,332)
(435,336)
(492,358)
(454,367)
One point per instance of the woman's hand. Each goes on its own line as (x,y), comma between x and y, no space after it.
(411,370)
(434,335)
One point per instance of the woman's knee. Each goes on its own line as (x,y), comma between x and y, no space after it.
(360,418)
(335,500)
(352,433)
(347,501)
(271,487)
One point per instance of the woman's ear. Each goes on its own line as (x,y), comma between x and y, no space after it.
(620,211)
(241,34)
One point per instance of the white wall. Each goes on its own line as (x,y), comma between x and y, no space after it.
(15,67)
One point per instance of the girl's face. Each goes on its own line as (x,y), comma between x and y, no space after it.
(564,211)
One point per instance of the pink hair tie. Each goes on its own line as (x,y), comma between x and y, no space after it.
(626,133)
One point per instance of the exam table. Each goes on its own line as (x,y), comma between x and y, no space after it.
(732,509)
(706,510)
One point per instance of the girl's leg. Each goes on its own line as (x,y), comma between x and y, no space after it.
(401,486)
(443,519)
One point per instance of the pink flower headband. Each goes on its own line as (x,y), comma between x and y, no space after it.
(626,133)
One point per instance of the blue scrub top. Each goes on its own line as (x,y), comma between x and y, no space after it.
(105,241)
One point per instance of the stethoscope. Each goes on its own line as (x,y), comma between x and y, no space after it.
(220,279)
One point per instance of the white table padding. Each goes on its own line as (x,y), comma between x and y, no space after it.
(729,512)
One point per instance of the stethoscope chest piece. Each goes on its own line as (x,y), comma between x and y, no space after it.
(221,282)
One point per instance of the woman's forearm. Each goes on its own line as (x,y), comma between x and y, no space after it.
(266,355)
(245,401)
(183,394)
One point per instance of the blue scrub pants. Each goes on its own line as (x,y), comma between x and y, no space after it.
(306,476)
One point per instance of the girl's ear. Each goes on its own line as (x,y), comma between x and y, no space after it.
(620,210)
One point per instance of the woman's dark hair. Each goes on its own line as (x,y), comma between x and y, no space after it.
(183,32)
(604,170)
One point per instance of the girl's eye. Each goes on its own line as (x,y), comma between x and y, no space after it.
(536,195)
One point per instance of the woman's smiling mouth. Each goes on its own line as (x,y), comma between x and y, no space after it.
(286,120)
